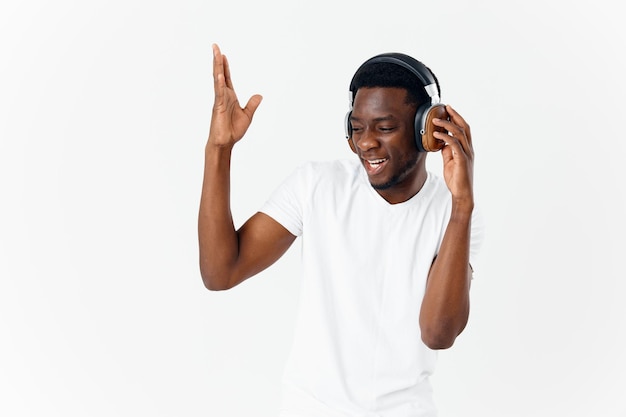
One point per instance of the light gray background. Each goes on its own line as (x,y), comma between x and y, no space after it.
(104,113)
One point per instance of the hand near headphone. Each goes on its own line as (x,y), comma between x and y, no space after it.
(229,121)
(458,157)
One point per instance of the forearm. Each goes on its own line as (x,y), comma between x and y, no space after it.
(445,307)
(218,241)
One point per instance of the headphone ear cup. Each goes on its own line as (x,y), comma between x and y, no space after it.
(426,139)
(347,125)
(348,128)
(419,125)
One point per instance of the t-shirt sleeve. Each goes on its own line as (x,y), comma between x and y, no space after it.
(286,203)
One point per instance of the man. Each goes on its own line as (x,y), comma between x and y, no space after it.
(385,244)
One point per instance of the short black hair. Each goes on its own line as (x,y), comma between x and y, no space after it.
(386,74)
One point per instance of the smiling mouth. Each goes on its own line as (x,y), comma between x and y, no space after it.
(373,166)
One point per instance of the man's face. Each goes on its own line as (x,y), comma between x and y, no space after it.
(383,138)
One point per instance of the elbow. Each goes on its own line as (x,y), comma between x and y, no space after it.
(437,342)
(215,286)
(215,281)
(439,331)
(439,337)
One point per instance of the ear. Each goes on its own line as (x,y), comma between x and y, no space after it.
(351,143)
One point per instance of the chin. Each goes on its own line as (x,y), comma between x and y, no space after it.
(399,177)
(383,185)
(389,183)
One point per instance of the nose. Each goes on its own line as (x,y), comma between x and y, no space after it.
(366,140)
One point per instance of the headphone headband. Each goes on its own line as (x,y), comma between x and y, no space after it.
(413,65)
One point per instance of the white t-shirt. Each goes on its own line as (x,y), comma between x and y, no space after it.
(357,348)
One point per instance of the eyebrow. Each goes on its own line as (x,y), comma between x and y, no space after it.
(377,119)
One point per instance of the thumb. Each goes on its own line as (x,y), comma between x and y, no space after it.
(252,105)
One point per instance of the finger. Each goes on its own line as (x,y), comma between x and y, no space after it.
(446,153)
(229,82)
(451,129)
(456,127)
(218,62)
(218,72)
(453,147)
(460,144)
(455,115)
(252,105)
(459,120)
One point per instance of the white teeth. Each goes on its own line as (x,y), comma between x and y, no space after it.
(376,161)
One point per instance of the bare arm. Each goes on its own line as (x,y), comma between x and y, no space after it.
(445,308)
(229,256)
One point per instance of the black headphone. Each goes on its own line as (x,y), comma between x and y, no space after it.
(425,113)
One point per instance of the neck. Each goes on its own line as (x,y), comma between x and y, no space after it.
(408,187)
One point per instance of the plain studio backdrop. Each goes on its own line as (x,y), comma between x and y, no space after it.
(104,114)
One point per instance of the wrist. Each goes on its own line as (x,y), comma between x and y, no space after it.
(216,146)
(217,156)
(462,208)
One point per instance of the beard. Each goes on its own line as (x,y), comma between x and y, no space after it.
(399,176)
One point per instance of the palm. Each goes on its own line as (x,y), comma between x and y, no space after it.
(231,120)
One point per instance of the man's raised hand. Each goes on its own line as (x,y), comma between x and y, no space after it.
(229,121)
(458,157)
